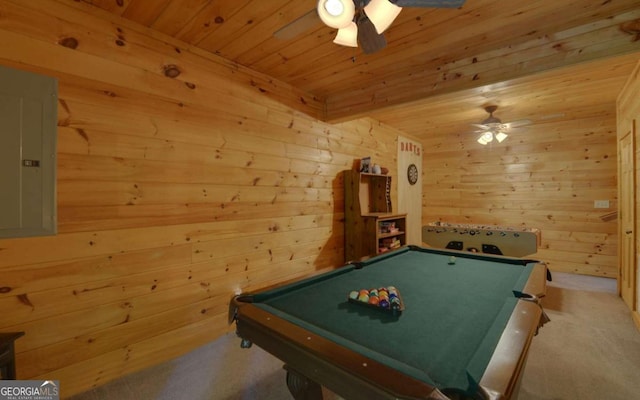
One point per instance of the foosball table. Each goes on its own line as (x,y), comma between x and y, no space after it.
(489,239)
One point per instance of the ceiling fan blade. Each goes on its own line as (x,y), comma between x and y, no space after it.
(298,26)
(485,127)
(551,116)
(518,123)
(430,3)
(370,40)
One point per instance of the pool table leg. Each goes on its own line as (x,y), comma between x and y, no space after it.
(301,387)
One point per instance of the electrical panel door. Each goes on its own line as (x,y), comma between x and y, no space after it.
(28,131)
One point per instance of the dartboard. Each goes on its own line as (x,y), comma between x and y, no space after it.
(412,174)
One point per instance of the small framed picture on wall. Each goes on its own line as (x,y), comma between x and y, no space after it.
(365,165)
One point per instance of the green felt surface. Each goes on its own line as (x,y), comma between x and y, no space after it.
(454,313)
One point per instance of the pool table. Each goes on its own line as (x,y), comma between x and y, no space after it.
(464,332)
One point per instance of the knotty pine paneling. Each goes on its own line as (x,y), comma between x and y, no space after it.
(544,176)
(174,193)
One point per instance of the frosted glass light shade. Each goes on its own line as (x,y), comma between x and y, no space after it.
(336,13)
(382,13)
(486,138)
(500,136)
(347,36)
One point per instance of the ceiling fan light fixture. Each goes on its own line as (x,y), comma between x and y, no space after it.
(485,138)
(336,13)
(334,7)
(382,13)
(500,136)
(347,36)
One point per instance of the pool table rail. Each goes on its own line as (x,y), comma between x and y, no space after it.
(536,286)
(346,372)
(503,374)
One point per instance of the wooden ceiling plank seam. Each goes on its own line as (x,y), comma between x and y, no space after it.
(262,30)
(322,52)
(239,24)
(208,20)
(117,7)
(269,44)
(140,12)
(276,58)
(176,14)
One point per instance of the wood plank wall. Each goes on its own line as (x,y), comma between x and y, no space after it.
(173,193)
(546,176)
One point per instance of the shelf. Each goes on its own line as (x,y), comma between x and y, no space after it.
(367,208)
(391,234)
(388,241)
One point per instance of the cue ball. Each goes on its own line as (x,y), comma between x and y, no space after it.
(452,260)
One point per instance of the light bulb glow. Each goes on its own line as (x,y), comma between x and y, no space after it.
(334,7)
(336,13)
(485,138)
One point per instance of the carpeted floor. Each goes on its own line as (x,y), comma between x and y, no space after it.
(589,350)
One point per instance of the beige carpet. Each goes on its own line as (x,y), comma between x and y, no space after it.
(589,350)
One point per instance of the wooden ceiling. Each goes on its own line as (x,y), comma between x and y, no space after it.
(533,58)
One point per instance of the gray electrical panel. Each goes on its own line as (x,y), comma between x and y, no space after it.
(28,132)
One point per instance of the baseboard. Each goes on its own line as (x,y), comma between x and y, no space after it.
(636,319)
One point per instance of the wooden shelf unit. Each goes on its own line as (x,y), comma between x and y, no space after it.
(368,210)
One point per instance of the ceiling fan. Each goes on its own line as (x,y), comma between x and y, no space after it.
(360,21)
(493,128)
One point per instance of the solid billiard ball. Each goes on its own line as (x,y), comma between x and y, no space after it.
(364,298)
(374,300)
(383,303)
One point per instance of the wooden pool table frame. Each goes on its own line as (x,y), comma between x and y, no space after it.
(311,360)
